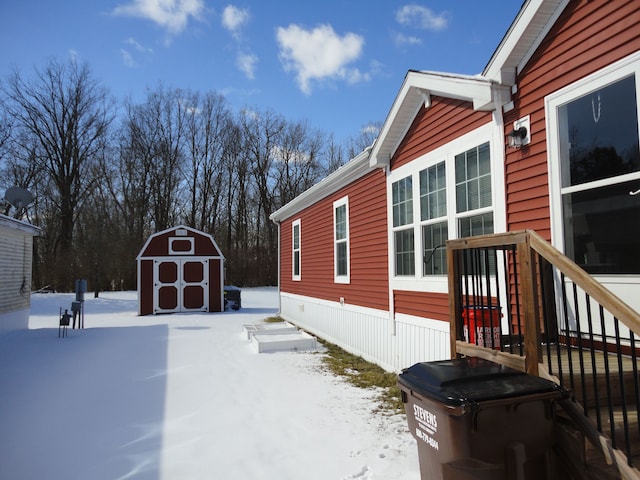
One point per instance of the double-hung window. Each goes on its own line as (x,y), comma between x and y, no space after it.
(595,146)
(402,205)
(433,217)
(473,191)
(341,240)
(296,250)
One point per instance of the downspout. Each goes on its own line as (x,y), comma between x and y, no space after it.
(390,262)
(278,282)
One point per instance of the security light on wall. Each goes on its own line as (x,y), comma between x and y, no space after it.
(521,133)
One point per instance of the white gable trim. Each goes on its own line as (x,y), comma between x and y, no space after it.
(176,229)
(530,27)
(417,89)
(356,168)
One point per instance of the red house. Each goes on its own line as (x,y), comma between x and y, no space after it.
(180,270)
(545,138)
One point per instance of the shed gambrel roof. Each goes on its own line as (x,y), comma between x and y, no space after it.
(192,232)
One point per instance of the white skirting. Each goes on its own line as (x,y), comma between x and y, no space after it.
(372,334)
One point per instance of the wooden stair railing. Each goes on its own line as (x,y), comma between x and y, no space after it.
(556,321)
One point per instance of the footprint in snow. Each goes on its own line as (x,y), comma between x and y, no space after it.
(363,474)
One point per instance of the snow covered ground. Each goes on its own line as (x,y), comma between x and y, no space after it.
(182,396)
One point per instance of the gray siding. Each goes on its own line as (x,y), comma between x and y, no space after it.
(15,264)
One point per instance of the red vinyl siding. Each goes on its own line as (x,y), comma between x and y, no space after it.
(422,304)
(445,120)
(587,37)
(368,285)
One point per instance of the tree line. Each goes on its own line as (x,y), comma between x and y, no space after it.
(107,173)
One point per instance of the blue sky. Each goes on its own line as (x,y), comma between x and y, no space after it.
(337,63)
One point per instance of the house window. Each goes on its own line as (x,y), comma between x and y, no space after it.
(402,206)
(454,198)
(473,191)
(296,251)
(341,240)
(599,166)
(433,216)
(473,179)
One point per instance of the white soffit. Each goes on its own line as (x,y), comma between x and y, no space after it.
(535,19)
(416,91)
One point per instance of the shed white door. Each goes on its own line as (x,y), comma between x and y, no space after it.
(181,285)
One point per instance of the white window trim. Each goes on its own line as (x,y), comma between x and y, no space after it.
(492,132)
(341,278)
(298,276)
(612,73)
(400,228)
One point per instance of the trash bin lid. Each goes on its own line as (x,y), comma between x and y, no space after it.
(471,380)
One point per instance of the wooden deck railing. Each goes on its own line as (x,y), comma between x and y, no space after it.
(518,301)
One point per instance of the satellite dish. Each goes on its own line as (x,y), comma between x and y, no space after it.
(18,197)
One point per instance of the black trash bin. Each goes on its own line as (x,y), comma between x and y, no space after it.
(232,298)
(474,419)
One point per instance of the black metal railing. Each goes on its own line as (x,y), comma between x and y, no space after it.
(554,320)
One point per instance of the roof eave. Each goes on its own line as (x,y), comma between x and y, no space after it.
(355,168)
(416,91)
(20,225)
(525,34)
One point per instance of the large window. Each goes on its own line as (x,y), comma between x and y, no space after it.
(402,205)
(454,199)
(341,240)
(599,163)
(296,250)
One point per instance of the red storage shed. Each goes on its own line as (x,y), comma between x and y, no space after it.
(180,270)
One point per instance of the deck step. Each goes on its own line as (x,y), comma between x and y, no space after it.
(583,459)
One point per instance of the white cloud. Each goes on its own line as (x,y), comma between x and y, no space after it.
(246,62)
(138,46)
(127,58)
(319,54)
(170,14)
(400,39)
(417,16)
(234,18)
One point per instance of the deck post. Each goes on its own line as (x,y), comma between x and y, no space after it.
(528,285)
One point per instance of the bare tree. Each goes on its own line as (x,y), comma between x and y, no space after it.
(208,125)
(151,159)
(262,134)
(298,162)
(364,139)
(63,115)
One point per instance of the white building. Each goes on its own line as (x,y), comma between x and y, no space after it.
(16,247)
